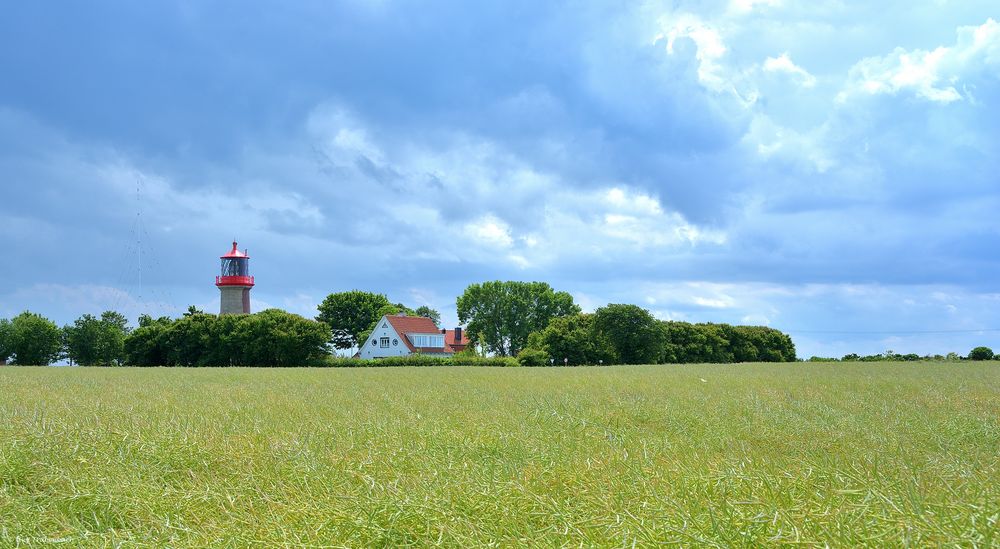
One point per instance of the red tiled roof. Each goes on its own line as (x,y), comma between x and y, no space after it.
(422,325)
(453,346)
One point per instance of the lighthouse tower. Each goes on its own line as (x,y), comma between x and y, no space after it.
(234,283)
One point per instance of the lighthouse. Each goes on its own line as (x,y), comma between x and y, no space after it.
(235,282)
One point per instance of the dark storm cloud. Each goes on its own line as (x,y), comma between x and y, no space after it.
(414,148)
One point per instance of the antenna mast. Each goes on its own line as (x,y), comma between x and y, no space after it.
(138,232)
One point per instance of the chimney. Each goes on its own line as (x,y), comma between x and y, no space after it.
(458,335)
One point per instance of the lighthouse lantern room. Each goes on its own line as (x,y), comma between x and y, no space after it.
(234,283)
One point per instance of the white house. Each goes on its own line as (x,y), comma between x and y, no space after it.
(401,335)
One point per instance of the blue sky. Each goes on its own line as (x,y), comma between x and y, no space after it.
(827,168)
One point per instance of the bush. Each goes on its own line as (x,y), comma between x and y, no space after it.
(533,357)
(981,353)
(419,360)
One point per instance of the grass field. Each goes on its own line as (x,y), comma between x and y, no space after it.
(733,455)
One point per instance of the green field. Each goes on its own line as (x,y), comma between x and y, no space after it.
(841,454)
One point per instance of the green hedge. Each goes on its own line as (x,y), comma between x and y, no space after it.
(419,360)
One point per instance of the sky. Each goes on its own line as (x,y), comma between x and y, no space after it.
(828,168)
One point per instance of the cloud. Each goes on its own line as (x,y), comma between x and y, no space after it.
(491,232)
(933,75)
(746,6)
(709,46)
(784,64)
(681,157)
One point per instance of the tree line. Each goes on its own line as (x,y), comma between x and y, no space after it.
(629,334)
(541,326)
(978,353)
(269,338)
(517,323)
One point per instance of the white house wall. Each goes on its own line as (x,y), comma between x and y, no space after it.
(384,329)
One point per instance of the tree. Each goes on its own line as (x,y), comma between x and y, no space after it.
(269,338)
(386,310)
(146,345)
(686,343)
(501,315)
(757,344)
(97,341)
(188,340)
(284,339)
(111,343)
(432,314)
(6,340)
(35,339)
(574,339)
(981,353)
(348,314)
(633,333)
(81,340)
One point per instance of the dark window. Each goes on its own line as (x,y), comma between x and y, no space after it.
(384,342)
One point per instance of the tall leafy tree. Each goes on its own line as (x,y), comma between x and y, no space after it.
(111,343)
(349,314)
(432,314)
(97,341)
(81,340)
(35,340)
(6,340)
(501,315)
(634,334)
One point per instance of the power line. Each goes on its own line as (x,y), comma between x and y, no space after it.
(892,332)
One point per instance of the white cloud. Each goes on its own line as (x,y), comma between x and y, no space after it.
(784,64)
(638,220)
(806,149)
(746,6)
(507,208)
(934,75)
(490,231)
(708,42)
(254,206)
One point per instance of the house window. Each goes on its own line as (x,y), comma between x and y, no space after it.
(384,343)
(434,341)
(395,342)
(373,343)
